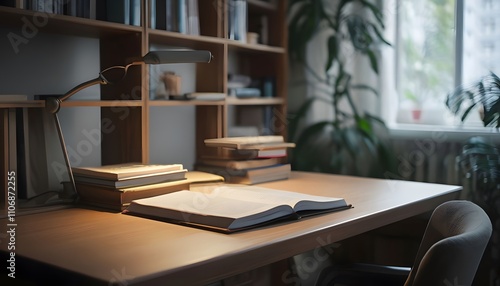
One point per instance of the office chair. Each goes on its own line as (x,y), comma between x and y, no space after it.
(449,253)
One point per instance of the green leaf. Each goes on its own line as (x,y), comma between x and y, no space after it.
(467,111)
(379,34)
(373,61)
(365,87)
(375,10)
(333,49)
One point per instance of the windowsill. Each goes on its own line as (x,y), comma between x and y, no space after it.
(441,132)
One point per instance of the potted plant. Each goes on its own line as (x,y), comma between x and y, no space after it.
(479,162)
(352,142)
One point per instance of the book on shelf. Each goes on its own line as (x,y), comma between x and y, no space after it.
(76,8)
(118,11)
(204,96)
(135,12)
(192,17)
(237,16)
(266,142)
(119,198)
(235,154)
(241,164)
(238,80)
(124,171)
(245,92)
(231,208)
(134,181)
(249,176)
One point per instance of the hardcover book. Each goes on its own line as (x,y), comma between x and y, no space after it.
(250,142)
(250,176)
(124,171)
(134,181)
(119,198)
(230,208)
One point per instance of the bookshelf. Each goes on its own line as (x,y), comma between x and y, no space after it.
(130,140)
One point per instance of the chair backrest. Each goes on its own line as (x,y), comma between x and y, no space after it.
(452,247)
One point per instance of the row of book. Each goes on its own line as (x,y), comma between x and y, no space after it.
(180,16)
(116,186)
(119,11)
(249,159)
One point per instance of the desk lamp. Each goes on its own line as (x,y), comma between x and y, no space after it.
(115,74)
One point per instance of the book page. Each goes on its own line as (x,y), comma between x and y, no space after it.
(298,201)
(191,202)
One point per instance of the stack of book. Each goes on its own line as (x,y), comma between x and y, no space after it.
(115,186)
(248,160)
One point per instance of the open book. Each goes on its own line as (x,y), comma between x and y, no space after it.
(230,208)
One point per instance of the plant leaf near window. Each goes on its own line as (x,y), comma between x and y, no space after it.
(352,142)
(482,95)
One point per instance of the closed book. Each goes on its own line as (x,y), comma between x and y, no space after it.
(245,92)
(266,142)
(250,176)
(133,181)
(235,154)
(119,198)
(124,171)
(241,164)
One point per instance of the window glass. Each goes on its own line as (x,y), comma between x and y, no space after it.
(426,54)
(430,32)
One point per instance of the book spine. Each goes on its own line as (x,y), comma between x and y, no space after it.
(118,11)
(135,12)
(161,8)
(169,15)
(152,17)
(182,15)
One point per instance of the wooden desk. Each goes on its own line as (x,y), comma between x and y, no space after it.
(106,246)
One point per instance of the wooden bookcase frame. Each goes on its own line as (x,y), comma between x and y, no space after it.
(119,42)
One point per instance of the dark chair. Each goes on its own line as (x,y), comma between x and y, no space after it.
(449,254)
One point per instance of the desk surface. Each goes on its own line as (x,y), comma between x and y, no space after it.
(111,246)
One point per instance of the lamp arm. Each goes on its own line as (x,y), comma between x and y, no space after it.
(81,86)
(53,104)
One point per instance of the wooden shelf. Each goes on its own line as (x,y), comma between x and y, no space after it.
(117,43)
(185,103)
(102,103)
(255,48)
(255,101)
(21,104)
(63,24)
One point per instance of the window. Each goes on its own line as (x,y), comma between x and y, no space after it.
(441,44)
